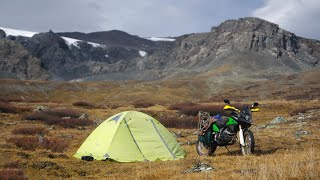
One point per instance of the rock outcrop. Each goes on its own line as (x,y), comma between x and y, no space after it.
(247,47)
(16,62)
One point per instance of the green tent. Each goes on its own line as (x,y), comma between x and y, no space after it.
(131,136)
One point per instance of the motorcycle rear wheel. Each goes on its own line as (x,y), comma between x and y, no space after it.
(203,150)
(248,149)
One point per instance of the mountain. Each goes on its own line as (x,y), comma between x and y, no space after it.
(247,48)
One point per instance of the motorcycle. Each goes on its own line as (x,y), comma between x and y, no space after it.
(222,131)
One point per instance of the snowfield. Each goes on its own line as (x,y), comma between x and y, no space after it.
(159,39)
(69,41)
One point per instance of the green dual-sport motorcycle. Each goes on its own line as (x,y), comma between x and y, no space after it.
(222,131)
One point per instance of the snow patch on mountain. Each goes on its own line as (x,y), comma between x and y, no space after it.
(15,32)
(160,39)
(69,41)
(142,53)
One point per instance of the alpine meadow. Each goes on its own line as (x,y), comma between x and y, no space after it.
(240,101)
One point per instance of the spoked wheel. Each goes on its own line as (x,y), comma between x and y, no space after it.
(249,143)
(203,150)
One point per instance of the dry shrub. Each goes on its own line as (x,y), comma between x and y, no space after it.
(63,112)
(42,116)
(56,145)
(83,104)
(63,117)
(31,143)
(69,122)
(12,165)
(114,106)
(30,130)
(142,104)
(180,106)
(26,143)
(194,110)
(10,174)
(7,108)
(186,122)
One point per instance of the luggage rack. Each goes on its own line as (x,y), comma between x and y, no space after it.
(205,121)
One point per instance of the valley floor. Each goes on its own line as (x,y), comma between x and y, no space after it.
(285,150)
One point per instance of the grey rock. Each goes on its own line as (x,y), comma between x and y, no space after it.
(178,134)
(84,116)
(40,108)
(97,122)
(261,126)
(301,133)
(300,124)
(278,120)
(300,119)
(200,167)
(66,136)
(271,127)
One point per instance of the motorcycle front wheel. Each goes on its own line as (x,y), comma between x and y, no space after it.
(248,148)
(203,150)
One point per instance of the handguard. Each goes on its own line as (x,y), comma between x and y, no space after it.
(254,109)
(230,108)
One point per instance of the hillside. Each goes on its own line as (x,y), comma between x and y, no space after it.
(247,47)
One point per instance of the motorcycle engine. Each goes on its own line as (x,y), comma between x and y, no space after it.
(225,137)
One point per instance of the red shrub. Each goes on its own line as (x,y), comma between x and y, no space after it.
(69,123)
(30,130)
(7,108)
(12,165)
(194,110)
(10,174)
(84,104)
(180,106)
(63,112)
(186,122)
(142,104)
(26,143)
(56,145)
(42,116)
(65,118)
(31,143)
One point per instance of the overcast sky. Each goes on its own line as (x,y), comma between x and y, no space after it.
(157,18)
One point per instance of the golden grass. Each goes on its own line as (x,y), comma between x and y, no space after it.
(279,155)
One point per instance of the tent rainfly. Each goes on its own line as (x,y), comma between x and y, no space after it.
(131,136)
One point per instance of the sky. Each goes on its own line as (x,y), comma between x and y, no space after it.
(156,18)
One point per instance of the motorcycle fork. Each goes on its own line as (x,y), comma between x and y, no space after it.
(241,136)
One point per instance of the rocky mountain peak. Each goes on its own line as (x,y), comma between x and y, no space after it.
(250,47)
(2,34)
(49,39)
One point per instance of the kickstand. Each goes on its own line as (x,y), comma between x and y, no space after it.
(227,149)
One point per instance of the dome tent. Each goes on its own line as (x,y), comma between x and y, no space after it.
(131,136)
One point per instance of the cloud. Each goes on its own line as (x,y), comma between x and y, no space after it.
(157,18)
(298,16)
